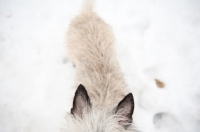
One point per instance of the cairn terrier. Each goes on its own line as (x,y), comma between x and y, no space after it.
(102,101)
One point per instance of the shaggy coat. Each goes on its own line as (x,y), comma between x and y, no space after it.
(102,102)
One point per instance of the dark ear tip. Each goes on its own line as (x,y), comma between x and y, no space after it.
(125,108)
(81,88)
(80,85)
(130,97)
(81,101)
(82,91)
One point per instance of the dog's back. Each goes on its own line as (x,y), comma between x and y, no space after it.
(91,49)
(102,91)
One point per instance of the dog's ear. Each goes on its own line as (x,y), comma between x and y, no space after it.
(125,110)
(81,101)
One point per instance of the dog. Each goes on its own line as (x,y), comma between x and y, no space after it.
(102,101)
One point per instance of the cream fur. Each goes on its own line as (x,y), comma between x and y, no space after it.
(90,44)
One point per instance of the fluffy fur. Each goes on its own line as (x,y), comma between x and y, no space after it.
(95,121)
(90,44)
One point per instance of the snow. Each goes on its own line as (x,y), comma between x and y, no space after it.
(155,39)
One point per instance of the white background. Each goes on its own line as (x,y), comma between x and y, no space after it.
(154,39)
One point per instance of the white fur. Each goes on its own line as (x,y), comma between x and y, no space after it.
(93,122)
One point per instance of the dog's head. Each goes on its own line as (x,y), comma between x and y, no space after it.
(85,118)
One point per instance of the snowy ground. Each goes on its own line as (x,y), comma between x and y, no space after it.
(155,39)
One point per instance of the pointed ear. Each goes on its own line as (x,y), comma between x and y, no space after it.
(81,101)
(125,110)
